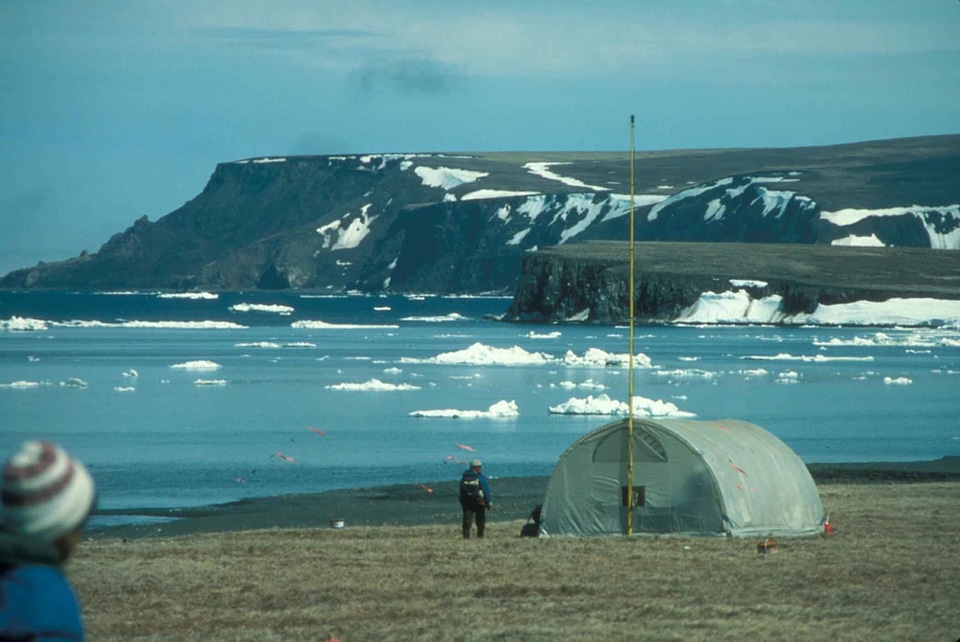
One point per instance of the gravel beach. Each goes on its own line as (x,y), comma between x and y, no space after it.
(514,499)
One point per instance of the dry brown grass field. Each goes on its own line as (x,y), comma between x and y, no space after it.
(891,571)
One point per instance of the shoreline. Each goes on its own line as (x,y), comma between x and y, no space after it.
(413,504)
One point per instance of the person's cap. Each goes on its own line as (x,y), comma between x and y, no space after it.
(46,493)
(476,463)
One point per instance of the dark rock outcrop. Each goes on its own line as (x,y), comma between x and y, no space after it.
(589,282)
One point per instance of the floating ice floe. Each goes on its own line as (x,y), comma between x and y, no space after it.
(392,371)
(543,335)
(373,385)
(589,384)
(74,382)
(207,296)
(323,325)
(275,345)
(501,410)
(480,354)
(788,376)
(753,372)
(21,324)
(817,358)
(125,389)
(690,373)
(131,373)
(897,381)
(261,307)
(210,382)
(20,385)
(595,357)
(170,325)
(602,404)
(453,316)
(923,338)
(197,365)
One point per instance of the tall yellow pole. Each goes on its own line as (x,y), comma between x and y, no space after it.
(630,369)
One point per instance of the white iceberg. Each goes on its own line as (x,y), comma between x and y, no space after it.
(501,410)
(373,385)
(197,365)
(480,354)
(20,385)
(603,405)
(261,307)
(323,325)
(595,357)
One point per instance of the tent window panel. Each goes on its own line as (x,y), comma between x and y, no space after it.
(647,448)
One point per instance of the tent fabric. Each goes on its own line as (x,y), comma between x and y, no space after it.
(725,477)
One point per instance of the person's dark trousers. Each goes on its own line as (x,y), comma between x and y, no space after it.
(468,514)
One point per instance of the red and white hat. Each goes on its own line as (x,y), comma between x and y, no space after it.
(46,493)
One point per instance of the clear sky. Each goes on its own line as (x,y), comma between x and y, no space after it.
(111,110)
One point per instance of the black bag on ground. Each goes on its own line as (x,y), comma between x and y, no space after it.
(532,527)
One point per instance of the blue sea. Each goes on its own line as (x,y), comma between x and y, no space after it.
(170,412)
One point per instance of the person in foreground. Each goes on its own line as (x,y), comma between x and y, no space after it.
(475,499)
(46,498)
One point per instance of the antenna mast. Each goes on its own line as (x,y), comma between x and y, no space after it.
(630,375)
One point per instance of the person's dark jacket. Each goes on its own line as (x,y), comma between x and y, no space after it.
(469,475)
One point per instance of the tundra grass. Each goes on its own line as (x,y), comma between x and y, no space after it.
(891,571)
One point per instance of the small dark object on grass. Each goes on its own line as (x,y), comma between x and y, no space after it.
(532,527)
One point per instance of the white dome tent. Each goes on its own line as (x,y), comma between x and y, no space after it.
(725,477)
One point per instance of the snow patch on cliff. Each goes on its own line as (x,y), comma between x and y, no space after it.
(446,177)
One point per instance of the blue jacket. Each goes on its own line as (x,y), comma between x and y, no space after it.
(37,603)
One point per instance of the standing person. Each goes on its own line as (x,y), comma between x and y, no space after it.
(475,498)
(46,498)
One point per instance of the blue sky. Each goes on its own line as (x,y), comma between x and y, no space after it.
(114,110)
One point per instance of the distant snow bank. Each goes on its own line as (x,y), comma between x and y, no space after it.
(482,194)
(738,307)
(542,170)
(942,223)
(446,177)
(859,241)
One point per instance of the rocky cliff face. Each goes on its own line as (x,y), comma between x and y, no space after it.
(589,282)
(438,223)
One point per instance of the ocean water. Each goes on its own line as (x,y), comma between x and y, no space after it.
(96,373)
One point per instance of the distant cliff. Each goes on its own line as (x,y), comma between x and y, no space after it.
(443,223)
(589,282)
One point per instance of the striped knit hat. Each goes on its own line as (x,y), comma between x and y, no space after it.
(46,493)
